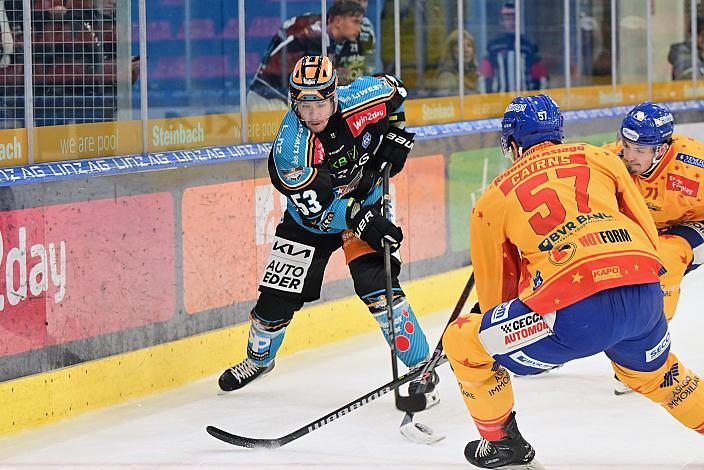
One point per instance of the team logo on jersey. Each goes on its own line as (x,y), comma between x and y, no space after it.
(366,139)
(358,121)
(537,280)
(293,174)
(684,185)
(562,254)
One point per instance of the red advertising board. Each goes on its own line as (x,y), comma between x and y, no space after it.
(78,270)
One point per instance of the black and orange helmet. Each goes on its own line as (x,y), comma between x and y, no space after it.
(313,79)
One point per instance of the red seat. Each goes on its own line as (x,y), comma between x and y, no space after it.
(61,74)
(12,75)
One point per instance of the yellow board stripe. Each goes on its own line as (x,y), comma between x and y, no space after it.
(44,398)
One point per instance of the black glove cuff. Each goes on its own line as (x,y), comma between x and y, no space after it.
(400,138)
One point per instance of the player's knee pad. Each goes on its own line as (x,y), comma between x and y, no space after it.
(276,309)
(677,389)
(411,344)
(693,232)
(369,275)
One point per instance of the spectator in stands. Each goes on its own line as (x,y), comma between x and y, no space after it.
(7,41)
(361,59)
(299,36)
(680,55)
(423,30)
(496,68)
(447,77)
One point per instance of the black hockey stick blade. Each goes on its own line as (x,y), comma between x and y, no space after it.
(275,443)
(242,441)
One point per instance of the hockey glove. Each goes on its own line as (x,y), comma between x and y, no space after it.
(394,148)
(372,227)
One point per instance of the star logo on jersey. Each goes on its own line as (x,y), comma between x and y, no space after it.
(577,278)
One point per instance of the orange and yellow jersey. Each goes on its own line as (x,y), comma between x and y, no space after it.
(674,192)
(564,222)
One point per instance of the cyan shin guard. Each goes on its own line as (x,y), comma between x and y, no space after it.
(265,339)
(411,344)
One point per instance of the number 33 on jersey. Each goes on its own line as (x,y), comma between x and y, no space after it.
(576,236)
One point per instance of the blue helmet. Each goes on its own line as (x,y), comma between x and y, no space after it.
(648,124)
(530,120)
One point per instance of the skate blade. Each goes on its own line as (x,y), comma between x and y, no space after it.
(419,433)
(534,465)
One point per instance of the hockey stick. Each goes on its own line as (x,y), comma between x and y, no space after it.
(250,442)
(418,432)
(385,208)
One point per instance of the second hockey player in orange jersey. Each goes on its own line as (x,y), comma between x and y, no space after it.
(668,169)
(564,255)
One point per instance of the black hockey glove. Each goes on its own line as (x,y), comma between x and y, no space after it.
(394,148)
(372,227)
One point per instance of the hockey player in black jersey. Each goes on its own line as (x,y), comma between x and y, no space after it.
(327,161)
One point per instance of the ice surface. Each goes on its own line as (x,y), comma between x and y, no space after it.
(571,416)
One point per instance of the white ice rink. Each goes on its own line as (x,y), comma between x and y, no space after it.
(571,416)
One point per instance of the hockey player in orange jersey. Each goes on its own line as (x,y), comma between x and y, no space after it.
(564,254)
(668,169)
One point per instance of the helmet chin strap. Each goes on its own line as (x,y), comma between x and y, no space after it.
(656,160)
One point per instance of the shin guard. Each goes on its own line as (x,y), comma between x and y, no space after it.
(411,344)
(485,386)
(265,339)
(677,389)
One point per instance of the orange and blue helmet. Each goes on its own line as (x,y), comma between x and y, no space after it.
(313,79)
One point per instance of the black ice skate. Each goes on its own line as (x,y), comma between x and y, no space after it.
(511,452)
(242,374)
(432,397)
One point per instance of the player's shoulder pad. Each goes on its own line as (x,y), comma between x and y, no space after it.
(688,151)
(293,152)
(366,91)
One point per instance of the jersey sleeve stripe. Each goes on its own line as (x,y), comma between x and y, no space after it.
(367,104)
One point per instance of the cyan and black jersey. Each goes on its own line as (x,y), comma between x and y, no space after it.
(317,172)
